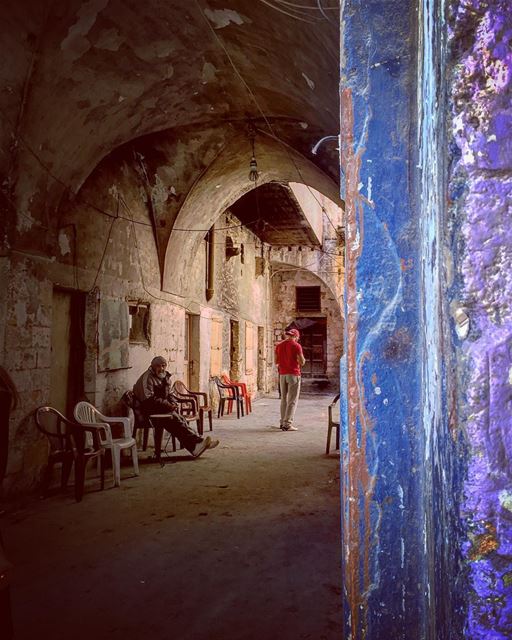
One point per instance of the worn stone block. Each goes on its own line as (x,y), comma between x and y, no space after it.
(44,358)
(17,338)
(41,337)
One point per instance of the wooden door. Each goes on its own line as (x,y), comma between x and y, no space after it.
(313,339)
(61,349)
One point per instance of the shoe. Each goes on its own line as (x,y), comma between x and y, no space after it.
(290,428)
(201,447)
(213,443)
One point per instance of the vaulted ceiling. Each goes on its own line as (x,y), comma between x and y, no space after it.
(274,215)
(89,78)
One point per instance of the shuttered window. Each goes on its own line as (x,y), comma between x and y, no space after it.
(308,299)
(216,347)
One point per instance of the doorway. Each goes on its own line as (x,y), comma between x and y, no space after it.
(262,361)
(313,338)
(191,352)
(234,350)
(67,349)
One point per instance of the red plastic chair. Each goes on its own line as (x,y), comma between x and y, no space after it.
(243,392)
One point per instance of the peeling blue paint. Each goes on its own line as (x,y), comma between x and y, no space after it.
(480,38)
(391,573)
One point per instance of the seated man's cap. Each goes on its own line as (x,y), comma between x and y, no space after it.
(292,332)
(158,360)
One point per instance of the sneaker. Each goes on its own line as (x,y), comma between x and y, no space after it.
(290,428)
(276,428)
(201,447)
(213,443)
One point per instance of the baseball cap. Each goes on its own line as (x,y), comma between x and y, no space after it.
(292,332)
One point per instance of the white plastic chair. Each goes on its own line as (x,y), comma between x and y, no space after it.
(86,414)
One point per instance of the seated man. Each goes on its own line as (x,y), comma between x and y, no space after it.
(152,390)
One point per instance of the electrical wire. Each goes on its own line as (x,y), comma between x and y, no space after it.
(107,242)
(296,15)
(79,195)
(133,222)
(321,9)
(258,106)
(302,6)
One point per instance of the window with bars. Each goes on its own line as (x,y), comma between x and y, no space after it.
(307,299)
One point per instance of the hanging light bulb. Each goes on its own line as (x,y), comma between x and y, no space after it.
(253,165)
(253,170)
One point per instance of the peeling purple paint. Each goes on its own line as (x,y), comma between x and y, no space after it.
(483,131)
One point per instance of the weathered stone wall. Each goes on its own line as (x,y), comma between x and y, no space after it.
(239,294)
(284,280)
(103,244)
(313,266)
(481,195)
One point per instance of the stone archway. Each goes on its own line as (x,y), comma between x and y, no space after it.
(286,279)
(226,180)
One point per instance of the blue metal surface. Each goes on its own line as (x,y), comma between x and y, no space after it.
(398,469)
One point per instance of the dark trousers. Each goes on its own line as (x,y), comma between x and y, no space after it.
(174,423)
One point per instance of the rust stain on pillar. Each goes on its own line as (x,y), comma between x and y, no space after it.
(360,484)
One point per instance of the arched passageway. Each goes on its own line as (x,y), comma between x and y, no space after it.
(124,127)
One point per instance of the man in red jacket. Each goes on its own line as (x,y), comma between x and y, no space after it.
(289,358)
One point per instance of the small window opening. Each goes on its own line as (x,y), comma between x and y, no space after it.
(139,323)
(308,299)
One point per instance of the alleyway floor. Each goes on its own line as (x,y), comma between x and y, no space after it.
(240,544)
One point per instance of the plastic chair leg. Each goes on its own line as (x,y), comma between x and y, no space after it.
(79,479)
(67,463)
(135,460)
(145,437)
(328,445)
(45,484)
(116,465)
(101,462)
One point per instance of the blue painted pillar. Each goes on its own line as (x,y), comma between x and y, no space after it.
(399,526)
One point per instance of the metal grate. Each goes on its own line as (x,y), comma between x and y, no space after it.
(308,299)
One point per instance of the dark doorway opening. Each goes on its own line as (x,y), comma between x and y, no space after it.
(67,349)
(313,338)
(234,351)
